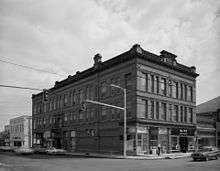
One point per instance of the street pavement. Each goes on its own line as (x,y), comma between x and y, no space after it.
(12,162)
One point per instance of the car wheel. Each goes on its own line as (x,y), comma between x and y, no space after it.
(194,159)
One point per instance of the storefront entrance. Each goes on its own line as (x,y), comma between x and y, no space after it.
(183,142)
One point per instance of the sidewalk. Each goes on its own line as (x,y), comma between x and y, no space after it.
(140,157)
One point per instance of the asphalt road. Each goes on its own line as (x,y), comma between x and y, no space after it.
(12,162)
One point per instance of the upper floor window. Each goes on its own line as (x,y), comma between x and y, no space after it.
(190,93)
(163,111)
(185,87)
(103,89)
(170,88)
(190,115)
(65,117)
(152,83)
(152,109)
(157,85)
(163,86)
(185,114)
(144,109)
(170,112)
(175,90)
(104,113)
(80,96)
(181,91)
(65,99)
(175,114)
(157,110)
(181,114)
(142,80)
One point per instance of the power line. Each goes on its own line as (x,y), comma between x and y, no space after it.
(18,87)
(29,67)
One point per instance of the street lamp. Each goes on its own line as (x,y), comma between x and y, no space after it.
(125,118)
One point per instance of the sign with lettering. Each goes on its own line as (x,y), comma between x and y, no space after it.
(182,131)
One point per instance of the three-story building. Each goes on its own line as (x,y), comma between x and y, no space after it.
(160,106)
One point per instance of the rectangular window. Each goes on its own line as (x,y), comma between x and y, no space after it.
(181,114)
(175,115)
(181,91)
(152,83)
(170,111)
(185,114)
(81,114)
(142,83)
(164,111)
(157,110)
(190,115)
(170,88)
(163,86)
(54,104)
(45,107)
(74,98)
(104,113)
(81,96)
(92,114)
(103,89)
(87,92)
(65,99)
(143,109)
(152,109)
(175,90)
(157,85)
(185,86)
(190,94)
(65,117)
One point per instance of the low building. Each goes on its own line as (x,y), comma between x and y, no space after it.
(208,123)
(21,131)
(5,136)
(161,103)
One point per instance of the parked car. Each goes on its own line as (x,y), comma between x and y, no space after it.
(56,151)
(40,150)
(24,150)
(7,148)
(206,153)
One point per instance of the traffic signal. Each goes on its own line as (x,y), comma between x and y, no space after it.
(83,106)
(45,94)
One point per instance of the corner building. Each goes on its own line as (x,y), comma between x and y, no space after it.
(160,106)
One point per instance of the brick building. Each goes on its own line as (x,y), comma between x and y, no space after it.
(160,106)
(208,123)
(21,131)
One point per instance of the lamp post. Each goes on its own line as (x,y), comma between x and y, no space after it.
(125,119)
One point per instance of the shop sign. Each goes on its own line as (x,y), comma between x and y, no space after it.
(182,131)
(141,129)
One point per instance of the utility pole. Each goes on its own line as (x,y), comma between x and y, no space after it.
(125,115)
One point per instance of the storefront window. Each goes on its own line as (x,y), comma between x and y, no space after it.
(191,143)
(174,144)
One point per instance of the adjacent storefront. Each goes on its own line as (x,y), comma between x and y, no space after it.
(182,139)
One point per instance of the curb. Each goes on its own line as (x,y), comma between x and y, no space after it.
(129,157)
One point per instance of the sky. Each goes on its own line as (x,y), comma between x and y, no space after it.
(63,37)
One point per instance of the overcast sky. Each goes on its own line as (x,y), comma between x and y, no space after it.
(63,36)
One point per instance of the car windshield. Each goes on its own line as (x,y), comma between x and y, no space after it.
(205,149)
